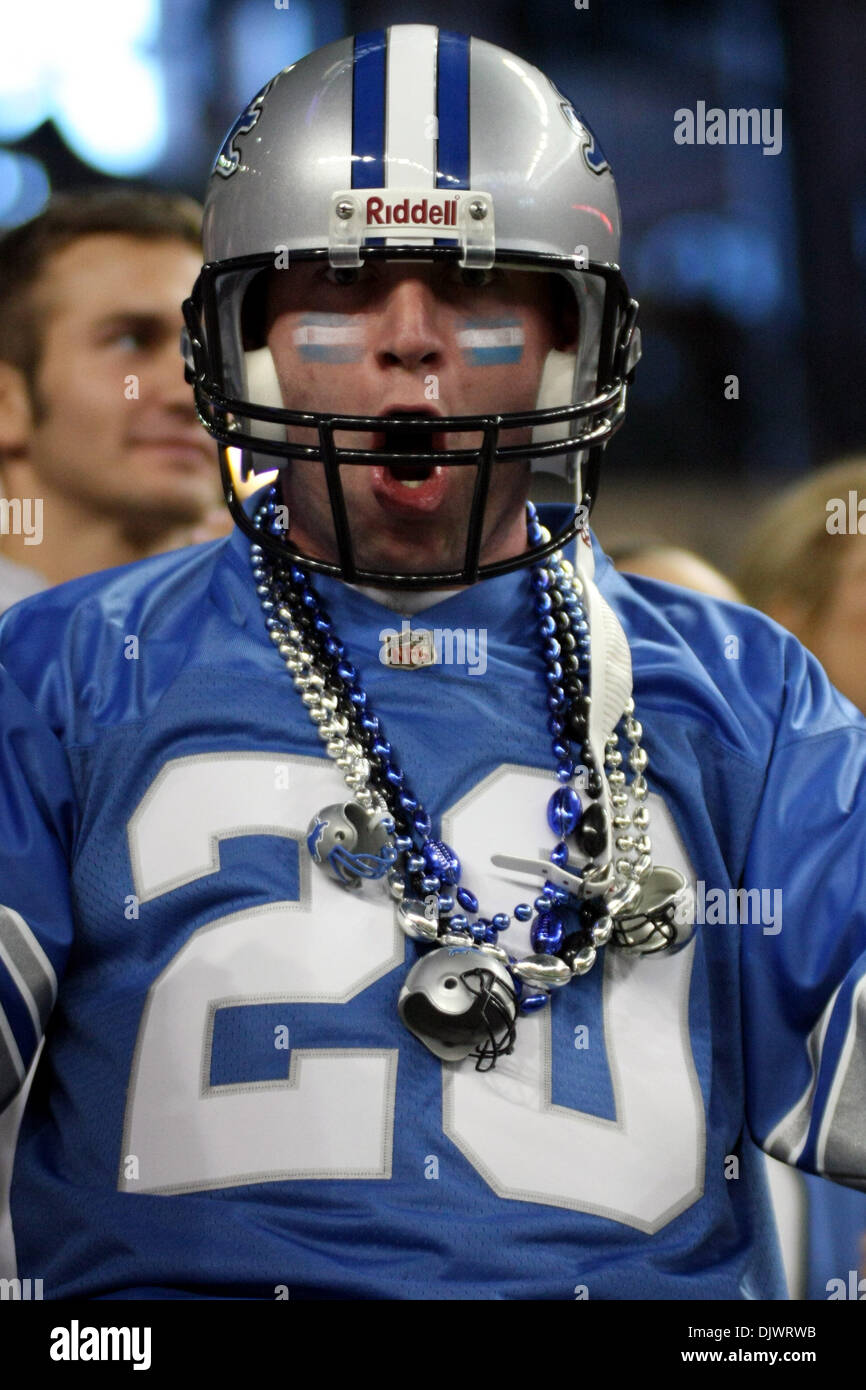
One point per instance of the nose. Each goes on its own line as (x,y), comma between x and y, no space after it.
(169,386)
(409,332)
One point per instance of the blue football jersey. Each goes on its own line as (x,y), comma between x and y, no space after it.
(226,1103)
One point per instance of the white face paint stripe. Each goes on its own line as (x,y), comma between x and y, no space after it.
(328,335)
(511,336)
(410,107)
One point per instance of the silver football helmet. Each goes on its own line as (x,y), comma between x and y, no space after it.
(352,843)
(460,1001)
(412,143)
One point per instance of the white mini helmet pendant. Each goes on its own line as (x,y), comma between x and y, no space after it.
(460,1002)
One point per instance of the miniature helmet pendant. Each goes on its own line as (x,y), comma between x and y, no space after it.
(662,917)
(352,843)
(460,1002)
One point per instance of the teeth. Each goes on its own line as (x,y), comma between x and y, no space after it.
(413,482)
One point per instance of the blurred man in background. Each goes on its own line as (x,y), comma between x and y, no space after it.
(102,460)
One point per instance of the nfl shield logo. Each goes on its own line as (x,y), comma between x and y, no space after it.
(407,650)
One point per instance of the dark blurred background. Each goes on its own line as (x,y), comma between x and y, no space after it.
(746,264)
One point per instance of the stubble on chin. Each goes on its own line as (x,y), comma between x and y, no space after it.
(405,545)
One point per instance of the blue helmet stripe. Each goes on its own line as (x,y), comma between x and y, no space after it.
(368,110)
(452,110)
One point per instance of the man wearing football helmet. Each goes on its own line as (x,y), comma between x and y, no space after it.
(532,944)
(413,187)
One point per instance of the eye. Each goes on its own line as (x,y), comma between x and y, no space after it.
(130,341)
(347,275)
(473,279)
(341,275)
(131,333)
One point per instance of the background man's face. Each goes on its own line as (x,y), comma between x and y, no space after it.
(838,635)
(409,339)
(115,426)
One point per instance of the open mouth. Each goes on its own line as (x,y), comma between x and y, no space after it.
(409,488)
(402,441)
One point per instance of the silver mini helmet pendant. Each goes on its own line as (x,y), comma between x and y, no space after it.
(460,1002)
(352,843)
(662,918)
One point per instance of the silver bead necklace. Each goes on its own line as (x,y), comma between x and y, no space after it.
(464,998)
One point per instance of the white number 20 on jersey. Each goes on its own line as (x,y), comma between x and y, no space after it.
(332,1116)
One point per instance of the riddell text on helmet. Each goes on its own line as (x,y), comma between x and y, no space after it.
(425,211)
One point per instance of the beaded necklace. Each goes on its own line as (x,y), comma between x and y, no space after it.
(471,1006)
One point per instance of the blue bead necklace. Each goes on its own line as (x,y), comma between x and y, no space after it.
(470,1007)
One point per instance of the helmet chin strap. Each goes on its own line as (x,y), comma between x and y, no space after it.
(554,389)
(610,658)
(263,387)
(610,667)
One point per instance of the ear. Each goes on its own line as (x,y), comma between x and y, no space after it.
(16,413)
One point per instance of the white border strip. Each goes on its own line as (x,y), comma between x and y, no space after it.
(410,107)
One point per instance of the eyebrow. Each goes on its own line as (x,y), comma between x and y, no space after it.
(144,321)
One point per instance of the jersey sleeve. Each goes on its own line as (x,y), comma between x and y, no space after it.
(804,963)
(37,826)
